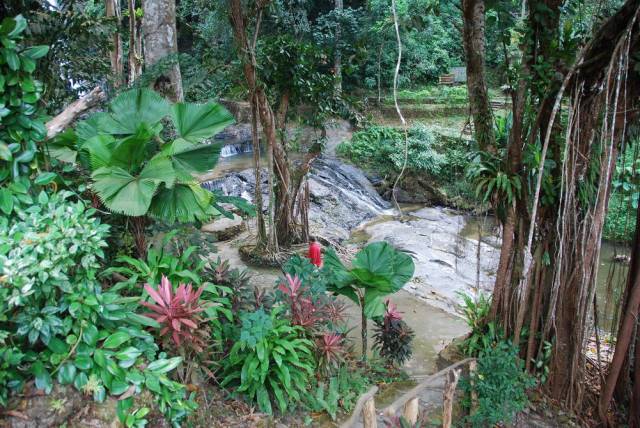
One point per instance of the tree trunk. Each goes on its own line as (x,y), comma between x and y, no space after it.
(337,61)
(161,43)
(72,111)
(479,103)
(135,44)
(112,8)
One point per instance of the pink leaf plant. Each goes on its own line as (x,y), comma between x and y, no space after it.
(178,313)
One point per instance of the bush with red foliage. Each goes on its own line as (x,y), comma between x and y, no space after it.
(179,313)
(330,352)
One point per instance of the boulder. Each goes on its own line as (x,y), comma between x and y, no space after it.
(225,228)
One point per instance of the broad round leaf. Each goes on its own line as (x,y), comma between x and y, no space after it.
(133,108)
(184,203)
(195,122)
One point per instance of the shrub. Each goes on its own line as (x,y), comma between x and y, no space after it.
(382,148)
(377,270)
(330,352)
(159,262)
(500,384)
(393,337)
(22,122)
(178,313)
(58,324)
(270,361)
(483,335)
(49,253)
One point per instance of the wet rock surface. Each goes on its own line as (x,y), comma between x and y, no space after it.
(225,228)
(444,244)
(341,196)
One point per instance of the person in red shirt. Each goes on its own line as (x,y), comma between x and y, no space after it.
(315,252)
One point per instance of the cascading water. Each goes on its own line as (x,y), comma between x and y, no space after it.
(234,149)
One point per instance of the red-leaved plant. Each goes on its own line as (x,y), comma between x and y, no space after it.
(330,352)
(304,311)
(178,313)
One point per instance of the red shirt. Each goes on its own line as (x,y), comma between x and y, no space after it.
(315,254)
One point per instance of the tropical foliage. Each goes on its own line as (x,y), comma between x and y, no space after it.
(393,337)
(136,172)
(270,362)
(377,270)
(57,324)
(501,386)
(21,120)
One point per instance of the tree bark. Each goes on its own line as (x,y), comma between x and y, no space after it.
(112,8)
(337,61)
(479,103)
(75,109)
(161,43)
(135,44)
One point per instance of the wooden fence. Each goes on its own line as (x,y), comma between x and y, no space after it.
(409,403)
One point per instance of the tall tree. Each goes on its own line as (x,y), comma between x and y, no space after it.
(135,43)
(161,44)
(112,9)
(555,177)
(337,60)
(479,103)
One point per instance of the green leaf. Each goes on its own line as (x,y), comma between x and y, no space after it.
(19,25)
(6,201)
(263,400)
(195,122)
(90,335)
(36,52)
(5,153)
(116,339)
(123,193)
(83,362)
(100,358)
(130,353)
(57,346)
(134,108)
(184,203)
(164,365)
(189,158)
(118,387)
(12,59)
(381,260)
(141,319)
(80,381)
(43,378)
(66,373)
(45,178)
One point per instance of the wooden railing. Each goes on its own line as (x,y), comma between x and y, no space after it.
(409,402)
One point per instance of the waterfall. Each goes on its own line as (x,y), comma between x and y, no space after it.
(234,149)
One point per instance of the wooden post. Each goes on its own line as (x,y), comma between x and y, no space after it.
(365,406)
(449,393)
(410,412)
(369,414)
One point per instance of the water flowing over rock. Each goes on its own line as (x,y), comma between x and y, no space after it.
(341,197)
(444,244)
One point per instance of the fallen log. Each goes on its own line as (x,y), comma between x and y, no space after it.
(73,110)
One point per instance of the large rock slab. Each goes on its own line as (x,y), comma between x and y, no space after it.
(341,196)
(225,228)
(444,245)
